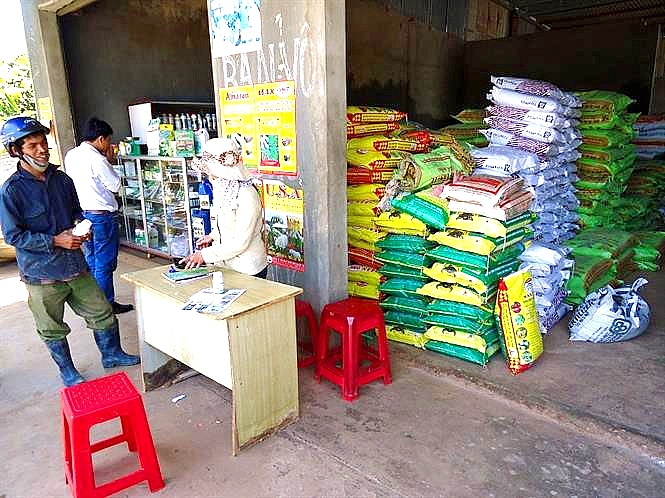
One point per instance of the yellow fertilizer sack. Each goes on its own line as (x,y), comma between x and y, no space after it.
(359,273)
(361,222)
(368,192)
(362,208)
(363,289)
(471,116)
(479,342)
(382,143)
(372,159)
(517,320)
(401,223)
(366,114)
(363,129)
(406,336)
(452,292)
(488,226)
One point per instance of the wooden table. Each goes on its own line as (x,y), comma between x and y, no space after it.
(250,348)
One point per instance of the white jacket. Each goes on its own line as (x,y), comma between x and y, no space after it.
(237,235)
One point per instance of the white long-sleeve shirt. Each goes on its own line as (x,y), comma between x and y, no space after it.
(236,233)
(95,179)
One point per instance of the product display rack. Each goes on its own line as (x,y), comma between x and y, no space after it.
(155,204)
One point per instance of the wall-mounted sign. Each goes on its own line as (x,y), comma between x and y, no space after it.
(284,209)
(265,116)
(235,26)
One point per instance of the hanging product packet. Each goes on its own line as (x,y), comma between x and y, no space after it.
(611,315)
(517,320)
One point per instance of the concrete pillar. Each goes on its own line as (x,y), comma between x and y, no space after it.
(305,40)
(48,69)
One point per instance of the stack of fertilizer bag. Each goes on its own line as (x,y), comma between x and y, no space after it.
(411,210)
(650,136)
(378,141)
(533,135)
(649,250)
(643,201)
(468,250)
(601,256)
(468,131)
(607,160)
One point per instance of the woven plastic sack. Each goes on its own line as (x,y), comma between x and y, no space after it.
(511,207)
(475,261)
(383,143)
(366,114)
(362,176)
(366,222)
(406,259)
(411,321)
(361,208)
(590,274)
(458,323)
(488,226)
(478,341)
(535,87)
(402,287)
(526,129)
(363,257)
(392,270)
(517,319)
(405,243)
(363,289)
(463,353)
(520,100)
(478,243)
(401,223)
(354,130)
(485,190)
(413,305)
(603,101)
(430,214)
(477,313)
(464,130)
(424,170)
(505,160)
(368,192)
(601,242)
(373,160)
(550,119)
(471,116)
(406,336)
(605,138)
(478,281)
(359,273)
(611,315)
(452,292)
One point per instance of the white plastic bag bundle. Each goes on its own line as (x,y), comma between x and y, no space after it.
(611,315)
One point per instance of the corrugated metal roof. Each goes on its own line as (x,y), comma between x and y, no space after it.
(566,13)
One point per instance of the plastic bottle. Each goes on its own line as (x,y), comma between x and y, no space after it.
(153,236)
(178,122)
(170,119)
(205,193)
(214,123)
(201,136)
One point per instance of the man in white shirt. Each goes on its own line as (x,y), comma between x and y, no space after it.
(96,185)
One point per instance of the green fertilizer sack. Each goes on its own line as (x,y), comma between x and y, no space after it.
(414,305)
(590,274)
(479,243)
(601,243)
(411,321)
(601,101)
(430,214)
(476,261)
(391,270)
(406,336)
(468,354)
(476,313)
(478,281)
(605,155)
(420,171)
(405,243)
(409,260)
(459,323)
(402,287)
(606,138)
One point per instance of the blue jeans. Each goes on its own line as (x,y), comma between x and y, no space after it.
(101,252)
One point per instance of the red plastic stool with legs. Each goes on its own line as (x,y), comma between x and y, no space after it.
(90,403)
(304,310)
(360,364)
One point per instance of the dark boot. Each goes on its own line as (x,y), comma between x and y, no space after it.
(121,308)
(59,350)
(108,342)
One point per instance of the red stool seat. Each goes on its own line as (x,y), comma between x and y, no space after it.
(307,349)
(355,363)
(90,403)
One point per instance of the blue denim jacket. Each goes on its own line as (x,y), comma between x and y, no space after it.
(31,213)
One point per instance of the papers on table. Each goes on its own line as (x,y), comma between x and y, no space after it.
(212,301)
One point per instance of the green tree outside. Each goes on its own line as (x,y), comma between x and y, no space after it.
(17,95)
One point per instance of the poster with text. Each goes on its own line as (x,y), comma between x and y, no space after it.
(235,27)
(284,212)
(275,111)
(237,116)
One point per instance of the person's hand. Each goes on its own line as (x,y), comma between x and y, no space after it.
(68,241)
(204,241)
(110,155)
(193,260)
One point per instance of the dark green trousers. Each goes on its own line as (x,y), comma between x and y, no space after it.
(84,297)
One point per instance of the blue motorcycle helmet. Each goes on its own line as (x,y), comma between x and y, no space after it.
(17,128)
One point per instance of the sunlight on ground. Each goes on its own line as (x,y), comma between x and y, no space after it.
(12,290)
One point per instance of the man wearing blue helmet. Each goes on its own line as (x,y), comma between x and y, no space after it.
(38,209)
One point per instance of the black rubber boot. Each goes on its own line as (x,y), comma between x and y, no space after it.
(59,350)
(121,308)
(108,342)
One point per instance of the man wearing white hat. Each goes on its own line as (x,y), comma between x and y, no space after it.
(236,240)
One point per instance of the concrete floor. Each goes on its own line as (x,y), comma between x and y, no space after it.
(586,421)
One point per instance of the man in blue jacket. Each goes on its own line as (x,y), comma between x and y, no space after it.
(38,209)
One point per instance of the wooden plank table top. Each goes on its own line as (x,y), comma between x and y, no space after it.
(258,292)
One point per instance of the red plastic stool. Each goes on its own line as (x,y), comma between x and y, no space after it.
(360,364)
(304,309)
(91,403)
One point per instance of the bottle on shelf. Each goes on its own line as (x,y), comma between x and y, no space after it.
(214,123)
(178,122)
(170,119)
(186,121)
